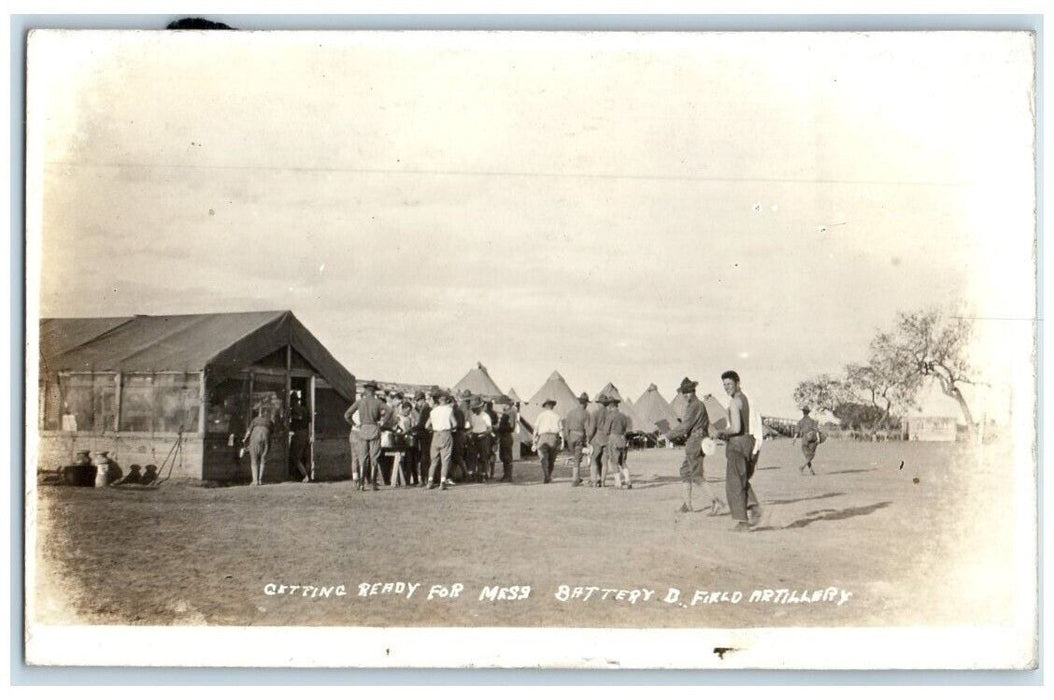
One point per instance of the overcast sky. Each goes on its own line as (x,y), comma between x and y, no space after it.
(621,207)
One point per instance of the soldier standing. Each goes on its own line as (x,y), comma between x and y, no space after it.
(441,422)
(373,414)
(739,450)
(480,440)
(598,440)
(300,445)
(577,426)
(422,440)
(462,415)
(506,434)
(693,428)
(618,445)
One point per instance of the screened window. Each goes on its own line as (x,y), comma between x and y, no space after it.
(177,399)
(81,402)
(137,403)
(329,413)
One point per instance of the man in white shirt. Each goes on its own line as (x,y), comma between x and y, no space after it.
(547,430)
(480,444)
(441,422)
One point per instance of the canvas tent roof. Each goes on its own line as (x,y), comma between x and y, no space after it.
(514,396)
(653,410)
(610,390)
(479,383)
(555,388)
(637,423)
(677,406)
(186,343)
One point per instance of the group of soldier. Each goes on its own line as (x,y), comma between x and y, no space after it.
(445,437)
(433,439)
(599,437)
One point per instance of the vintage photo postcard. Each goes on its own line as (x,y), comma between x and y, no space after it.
(527,349)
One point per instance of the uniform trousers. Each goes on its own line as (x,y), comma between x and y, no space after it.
(442,449)
(739,454)
(575,442)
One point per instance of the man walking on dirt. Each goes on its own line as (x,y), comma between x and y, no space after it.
(809,432)
(548,428)
(598,440)
(577,425)
(694,427)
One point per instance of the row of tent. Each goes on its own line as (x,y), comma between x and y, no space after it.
(651,413)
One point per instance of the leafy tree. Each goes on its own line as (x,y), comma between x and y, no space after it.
(930,345)
(821,393)
(859,416)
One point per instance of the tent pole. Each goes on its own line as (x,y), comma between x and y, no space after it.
(202,406)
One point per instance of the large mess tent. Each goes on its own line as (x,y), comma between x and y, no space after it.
(147,388)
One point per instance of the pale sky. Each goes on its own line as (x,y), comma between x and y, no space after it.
(622,207)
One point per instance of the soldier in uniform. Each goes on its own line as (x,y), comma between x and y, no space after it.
(506,434)
(739,450)
(441,422)
(374,414)
(618,445)
(480,440)
(693,427)
(809,432)
(547,432)
(462,414)
(598,440)
(422,440)
(578,424)
(300,445)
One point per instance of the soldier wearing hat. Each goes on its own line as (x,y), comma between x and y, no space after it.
(419,456)
(373,413)
(441,421)
(463,415)
(598,440)
(618,445)
(694,427)
(578,423)
(548,428)
(809,432)
(481,444)
(506,429)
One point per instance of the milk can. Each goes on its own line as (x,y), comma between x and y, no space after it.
(101,460)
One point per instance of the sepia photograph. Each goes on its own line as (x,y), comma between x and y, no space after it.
(494,349)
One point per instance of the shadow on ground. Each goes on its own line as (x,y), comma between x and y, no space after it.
(829,514)
(788,501)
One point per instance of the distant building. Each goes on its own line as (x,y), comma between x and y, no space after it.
(931,428)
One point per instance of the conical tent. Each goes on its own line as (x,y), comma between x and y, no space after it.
(479,383)
(611,390)
(655,411)
(555,388)
(514,396)
(677,406)
(636,422)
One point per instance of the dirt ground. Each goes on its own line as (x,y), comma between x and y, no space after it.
(893,551)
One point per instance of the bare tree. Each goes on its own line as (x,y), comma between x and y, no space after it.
(932,345)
